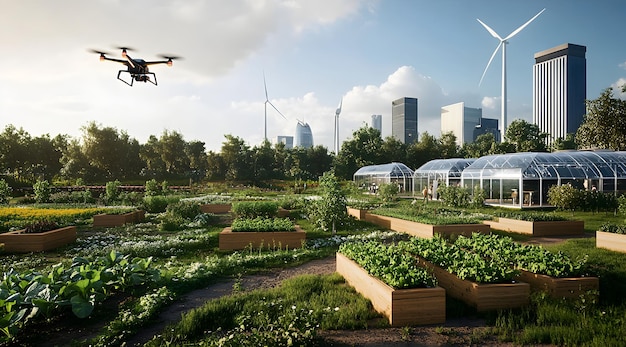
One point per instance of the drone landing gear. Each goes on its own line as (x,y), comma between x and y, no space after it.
(139,77)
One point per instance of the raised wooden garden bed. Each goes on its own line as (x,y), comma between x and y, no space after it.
(402,307)
(229,240)
(19,241)
(215,208)
(611,241)
(484,297)
(116,220)
(426,231)
(540,228)
(560,287)
(357,213)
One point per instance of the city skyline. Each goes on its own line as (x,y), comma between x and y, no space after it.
(366,53)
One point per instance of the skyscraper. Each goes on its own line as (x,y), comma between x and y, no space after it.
(287,140)
(404,120)
(304,135)
(461,121)
(377,122)
(559,90)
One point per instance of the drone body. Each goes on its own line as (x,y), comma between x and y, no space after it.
(137,69)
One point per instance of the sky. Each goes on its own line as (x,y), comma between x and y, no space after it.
(312,54)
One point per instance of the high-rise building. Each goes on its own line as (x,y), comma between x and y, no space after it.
(461,121)
(559,90)
(404,120)
(287,140)
(304,135)
(377,122)
(467,123)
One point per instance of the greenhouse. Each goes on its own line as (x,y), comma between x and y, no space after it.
(523,179)
(437,172)
(372,176)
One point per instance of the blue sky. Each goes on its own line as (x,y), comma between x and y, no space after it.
(313,54)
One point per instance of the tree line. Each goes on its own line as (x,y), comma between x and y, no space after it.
(105,153)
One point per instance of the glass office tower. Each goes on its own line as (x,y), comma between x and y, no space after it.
(404,120)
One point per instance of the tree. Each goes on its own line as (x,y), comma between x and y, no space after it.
(393,150)
(423,151)
(562,144)
(112,153)
(448,146)
(526,137)
(365,148)
(237,159)
(172,148)
(604,125)
(330,210)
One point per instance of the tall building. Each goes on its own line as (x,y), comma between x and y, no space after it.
(461,121)
(304,135)
(287,140)
(404,120)
(377,122)
(559,90)
(467,123)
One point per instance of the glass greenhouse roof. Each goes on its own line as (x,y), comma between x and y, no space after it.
(558,165)
(388,170)
(452,167)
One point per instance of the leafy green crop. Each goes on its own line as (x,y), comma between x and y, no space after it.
(262,224)
(389,263)
(531,258)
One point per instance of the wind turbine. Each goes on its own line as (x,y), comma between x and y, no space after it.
(267,101)
(503,43)
(337,113)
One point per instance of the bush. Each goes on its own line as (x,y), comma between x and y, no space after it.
(254,209)
(112,191)
(157,203)
(388,191)
(172,223)
(152,187)
(42,191)
(454,196)
(5,192)
(131,198)
(184,209)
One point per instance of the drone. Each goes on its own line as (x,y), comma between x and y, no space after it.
(137,69)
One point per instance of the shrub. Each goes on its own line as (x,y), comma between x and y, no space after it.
(388,191)
(42,191)
(184,209)
(152,187)
(454,196)
(157,203)
(330,211)
(40,227)
(5,192)
(112,191)
(253,209)
(130,198)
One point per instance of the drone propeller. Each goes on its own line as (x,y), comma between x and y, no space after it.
(102,54)
(169,58)
(124,49)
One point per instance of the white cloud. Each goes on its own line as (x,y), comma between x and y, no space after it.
(490,102)
(617,88)
(623,65)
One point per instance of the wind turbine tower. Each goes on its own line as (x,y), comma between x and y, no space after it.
(503,43)
(267,101)
(337,113)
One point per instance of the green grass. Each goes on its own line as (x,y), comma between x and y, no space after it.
(298,306)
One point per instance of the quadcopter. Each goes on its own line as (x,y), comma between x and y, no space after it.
(137,69)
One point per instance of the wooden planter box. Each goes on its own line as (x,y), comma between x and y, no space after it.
(116,220)
(215,208)
(426,231)
(357,213)
(402,307)
(560,287)
(283,213)
(547,228)
(229,240)
(611,241)
(19,241)
(484,297)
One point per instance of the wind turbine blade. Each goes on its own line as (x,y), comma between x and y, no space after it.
(491,31)
(338,111)
(280,113)
(523,26)
(489,63)
(265,85)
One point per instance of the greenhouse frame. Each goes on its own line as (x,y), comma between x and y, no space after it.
(523,179)
(372,176)
(437,172)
